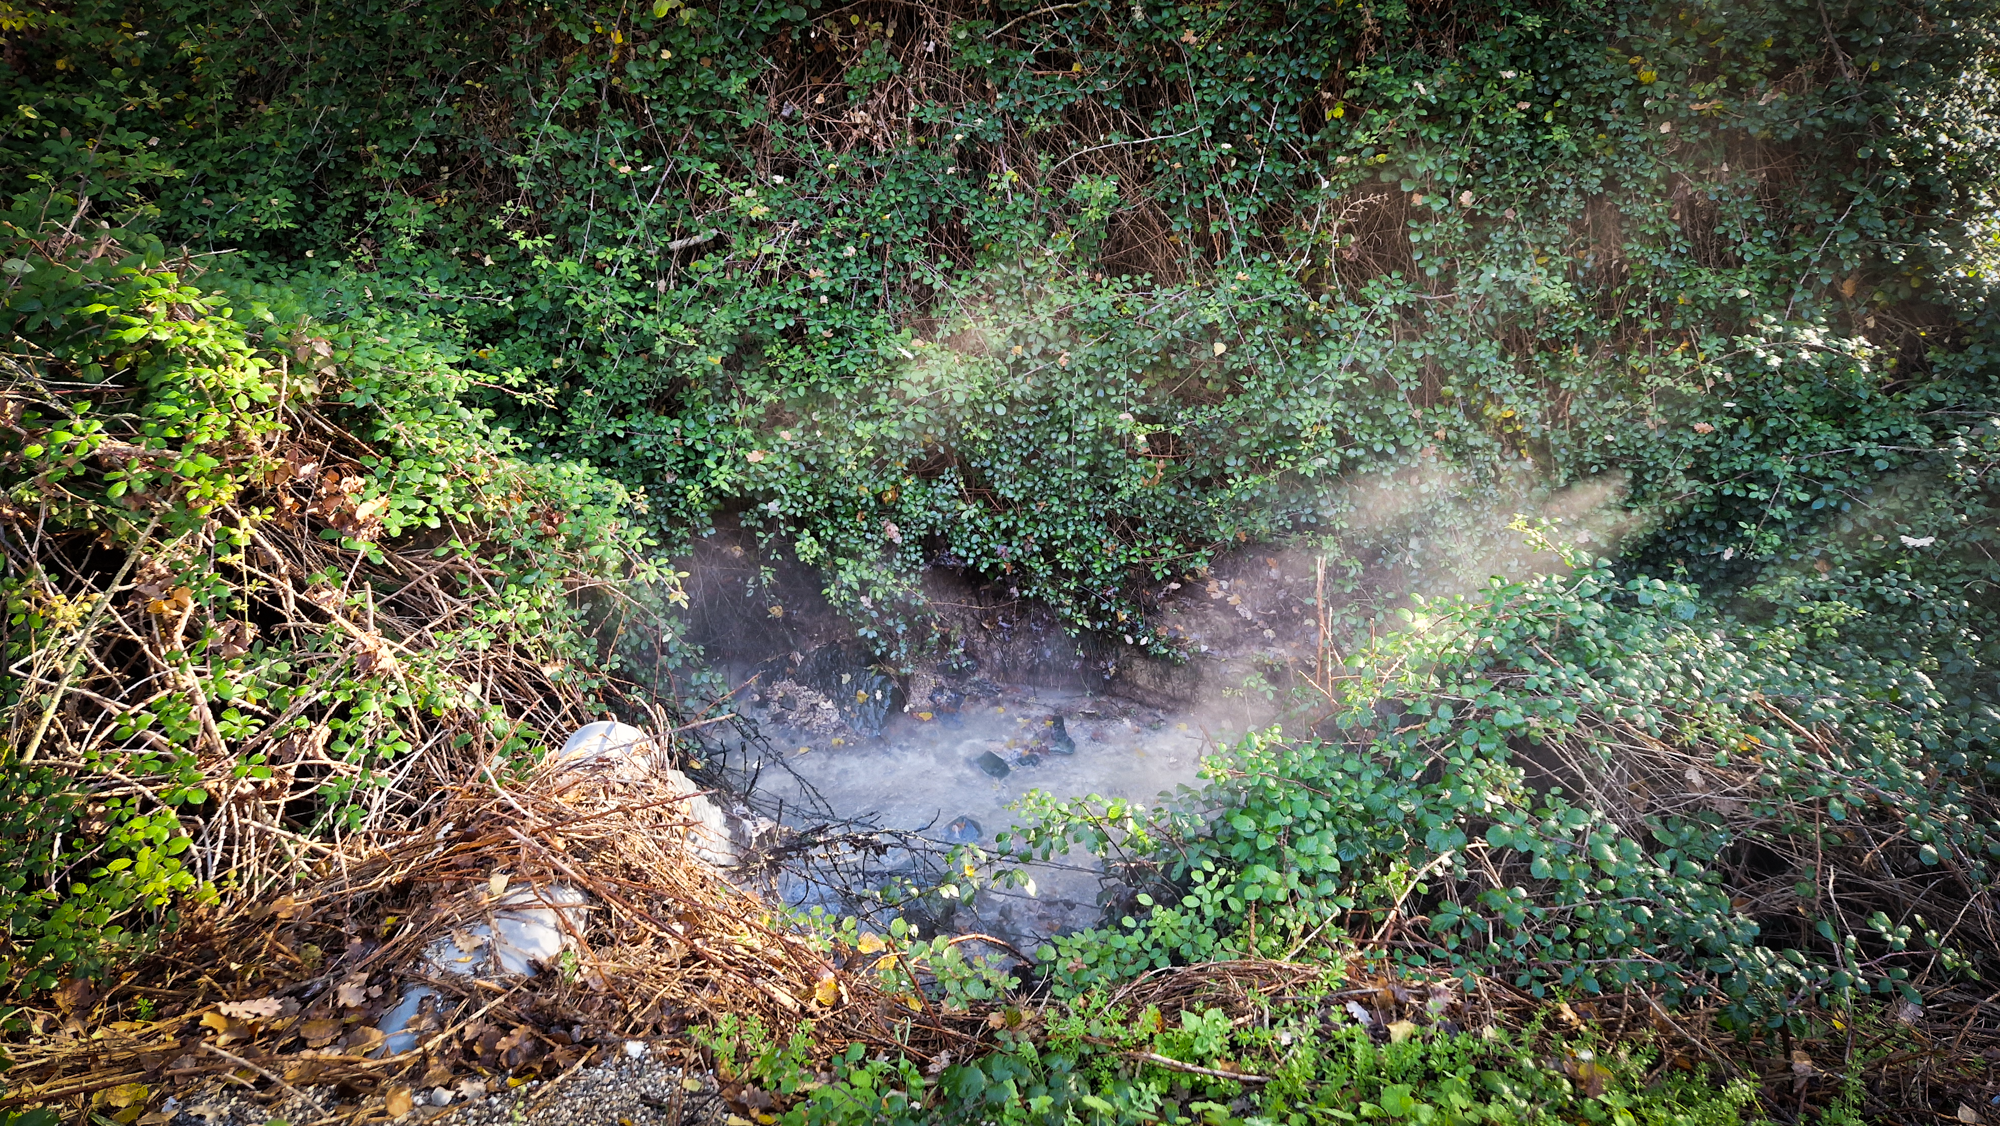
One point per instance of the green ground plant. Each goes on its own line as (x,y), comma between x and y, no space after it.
(1578,783)
(1080,1069)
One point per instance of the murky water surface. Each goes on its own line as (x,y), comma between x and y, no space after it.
(950,779)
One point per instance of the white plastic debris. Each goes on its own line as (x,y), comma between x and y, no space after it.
(606,741)
(530,926)
(630,755)
(536,926)
(635,1049)
(441,1096)
(396,1022)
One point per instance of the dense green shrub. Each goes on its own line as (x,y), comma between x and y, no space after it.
(1073,296)
(1565,781)
(214,506)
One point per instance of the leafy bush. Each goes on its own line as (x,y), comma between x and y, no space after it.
(1588,783)
(260,566)
(1072,297)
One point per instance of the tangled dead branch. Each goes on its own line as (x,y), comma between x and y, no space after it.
(296,987)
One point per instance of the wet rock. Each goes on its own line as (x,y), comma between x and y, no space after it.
(992,764)
(806,710)
(844,675)
(1155,682)
(962,830)
(1059,741)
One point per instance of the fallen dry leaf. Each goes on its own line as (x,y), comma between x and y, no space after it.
(127,1094)
(399,1102)
(352,991)
(263,1008)
(225,1028)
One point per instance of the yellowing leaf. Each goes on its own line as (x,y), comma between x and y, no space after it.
(870,943)
(496,884)
(692,1086)
(399,1102)
(1401,1030)
(128,1094)
(827,991)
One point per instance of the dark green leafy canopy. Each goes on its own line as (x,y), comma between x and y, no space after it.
(1075,295)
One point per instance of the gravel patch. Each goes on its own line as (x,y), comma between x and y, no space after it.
(623,1091)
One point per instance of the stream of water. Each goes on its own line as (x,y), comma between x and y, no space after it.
(950,779)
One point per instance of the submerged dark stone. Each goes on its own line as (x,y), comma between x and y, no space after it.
(1059,741)
(963,830)
(992,764)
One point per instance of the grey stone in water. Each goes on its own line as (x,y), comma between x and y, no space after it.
(992,764)
(964,830)
(1059,740)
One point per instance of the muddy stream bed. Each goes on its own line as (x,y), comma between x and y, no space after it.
(852,776)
